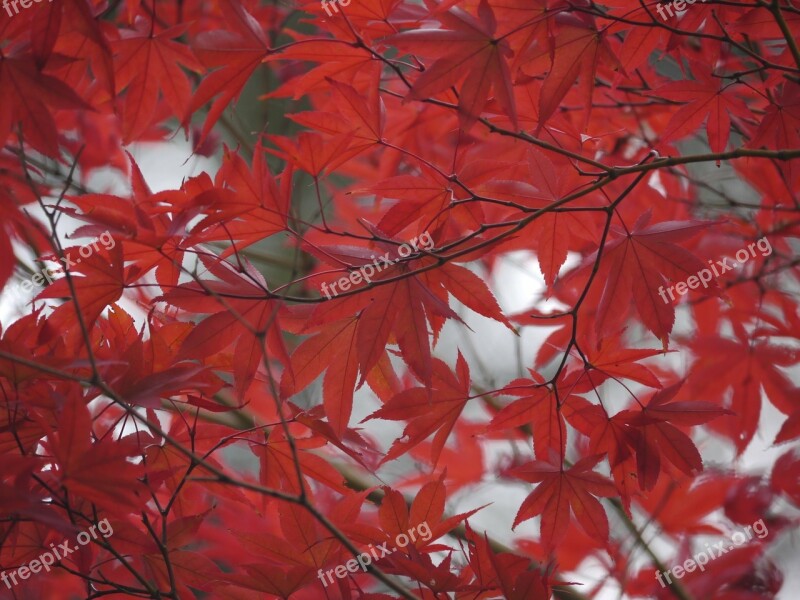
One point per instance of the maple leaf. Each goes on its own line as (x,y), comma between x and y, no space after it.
(290,561)
(467,46)
(504,571)
(637,263)
(259,209)
(98,471)
(397,309)
(652,431)
(640,42)
(245,319)
(74,32)
(727,571)
(365,118)
(278,465)
(780,127)
(400,308)
(551,229)
(150,371)
(609,436)
(427,197)
(234,55)
(540,408)
(312,155)
(30,99)
(613,361)
(311,358)
(146,65)
(156,241)
(428,410)
(790,429)
(747,368)
(97,280)
(428,507)
(463,461)
(340,61)
(710,99)
(561,491)
(684,504)
(785,476)
(579,47)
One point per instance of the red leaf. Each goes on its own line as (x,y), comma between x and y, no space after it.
(561,491)
(467,47)
(147,65)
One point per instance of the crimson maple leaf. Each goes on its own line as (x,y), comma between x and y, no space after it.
(748,368)
(429,410)
(30,98)
(147,64)
(234,55)
(710,99)
(467,48)
(96,470)
(654,435)
(561,490)
(244,319)
(637,262)
(580,50)
(539,407)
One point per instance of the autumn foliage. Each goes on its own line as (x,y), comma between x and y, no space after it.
(242,431)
